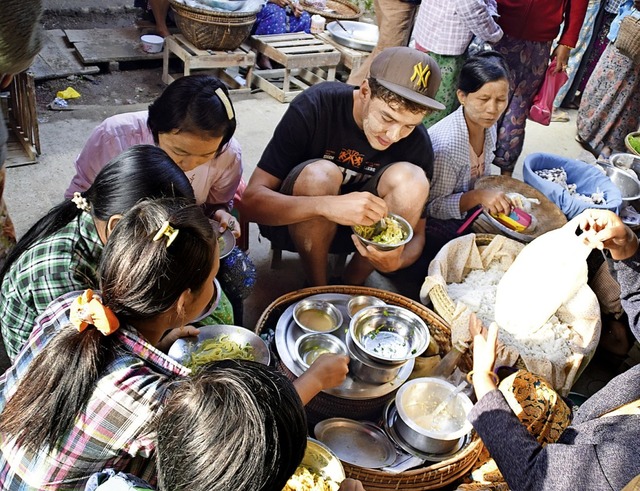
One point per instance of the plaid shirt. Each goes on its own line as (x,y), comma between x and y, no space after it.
(445,27)
(114,430)
(452,166)
(63,262)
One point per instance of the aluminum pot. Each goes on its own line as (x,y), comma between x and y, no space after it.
(367,370)
(416,400)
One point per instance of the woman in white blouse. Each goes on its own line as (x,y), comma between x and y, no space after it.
(463,145)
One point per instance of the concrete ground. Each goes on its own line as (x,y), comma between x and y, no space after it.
(32,190)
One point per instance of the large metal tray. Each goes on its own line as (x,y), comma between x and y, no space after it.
(359,35)
(287,332)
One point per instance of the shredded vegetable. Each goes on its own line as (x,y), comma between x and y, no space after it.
(305,479)
(219,348)
(392,235)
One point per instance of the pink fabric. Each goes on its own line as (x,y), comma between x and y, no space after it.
(542,106)
(213,182)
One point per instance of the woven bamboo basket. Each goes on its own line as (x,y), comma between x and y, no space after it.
(627,142)
(207,29)
(335,9)
(325,405)
(628,40)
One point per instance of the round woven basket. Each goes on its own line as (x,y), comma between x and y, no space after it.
(434,476)
(208,29)
(324,405)
(335,9)
(628,40)
(627,142)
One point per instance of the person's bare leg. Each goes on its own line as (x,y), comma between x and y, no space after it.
(405,189)
(313,238)
(160,9)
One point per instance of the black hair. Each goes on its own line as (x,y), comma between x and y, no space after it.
(235,425)
(142,171)
(139,277)
(191,105)
(480,69)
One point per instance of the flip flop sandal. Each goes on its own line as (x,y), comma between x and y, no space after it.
(560,117)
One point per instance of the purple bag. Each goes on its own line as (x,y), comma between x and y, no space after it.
(542,106)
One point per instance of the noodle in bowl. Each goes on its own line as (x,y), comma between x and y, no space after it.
(397,233)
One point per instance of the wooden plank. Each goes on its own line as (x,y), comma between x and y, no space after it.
(16,155)
(57,59)
(109,45)
(349,57)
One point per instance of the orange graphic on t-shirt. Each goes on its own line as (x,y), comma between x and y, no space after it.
(352,157)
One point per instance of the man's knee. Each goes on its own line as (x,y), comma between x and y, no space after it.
(405,177)
(319,178)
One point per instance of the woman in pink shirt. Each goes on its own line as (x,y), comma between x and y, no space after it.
(193,120)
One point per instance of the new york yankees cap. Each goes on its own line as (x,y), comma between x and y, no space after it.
(409,73)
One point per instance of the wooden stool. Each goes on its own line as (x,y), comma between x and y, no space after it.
(302,55)
(350,58)
(199,59)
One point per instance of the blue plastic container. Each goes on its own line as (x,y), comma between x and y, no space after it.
(586,177)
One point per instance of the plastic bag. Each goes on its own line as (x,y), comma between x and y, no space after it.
(542,106)
(547,273)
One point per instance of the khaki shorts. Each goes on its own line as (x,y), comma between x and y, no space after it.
(342,243)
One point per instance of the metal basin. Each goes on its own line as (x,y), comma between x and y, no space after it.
(359,302)
(416,400)
(628,185)
(359,35)
(367,370)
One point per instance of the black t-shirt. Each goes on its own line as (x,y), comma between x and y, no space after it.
(319,124)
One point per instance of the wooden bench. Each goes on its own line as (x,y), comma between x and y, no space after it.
(217,61)
(306,59)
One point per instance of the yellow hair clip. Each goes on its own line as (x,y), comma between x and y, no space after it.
(166,231)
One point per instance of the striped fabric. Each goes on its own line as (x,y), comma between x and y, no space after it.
(451,170)
(65,261)
(113,431)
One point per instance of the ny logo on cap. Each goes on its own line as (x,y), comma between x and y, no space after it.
(421,75)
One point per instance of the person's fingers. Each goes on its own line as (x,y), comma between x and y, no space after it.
(492,335)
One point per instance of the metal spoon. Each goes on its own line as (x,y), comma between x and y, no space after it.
(379,227)
(445,402)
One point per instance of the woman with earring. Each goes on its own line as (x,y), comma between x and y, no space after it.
(463,146)
(62,251)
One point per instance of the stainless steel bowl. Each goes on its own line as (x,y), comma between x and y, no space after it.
(320,460)
(310,346)
(181,350)
(367,370)
(212,305)
(416,400)
(317,316)
(389,334)
(406,229)
(628,185)
(359,302)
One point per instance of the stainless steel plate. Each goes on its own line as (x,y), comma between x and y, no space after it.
(357,443)
(359,35)
(389,418)
(183,347)
(287,333)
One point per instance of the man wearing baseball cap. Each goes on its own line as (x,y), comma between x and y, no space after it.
(344,156)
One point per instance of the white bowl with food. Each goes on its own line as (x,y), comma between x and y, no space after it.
(395,232)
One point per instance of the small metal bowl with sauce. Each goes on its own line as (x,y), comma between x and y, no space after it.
(317,316)
(359,302)
(310,346)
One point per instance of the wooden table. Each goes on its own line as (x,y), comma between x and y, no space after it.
(306,60)
(350,58)
(217,61)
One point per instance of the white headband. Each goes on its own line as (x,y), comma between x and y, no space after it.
(225,101)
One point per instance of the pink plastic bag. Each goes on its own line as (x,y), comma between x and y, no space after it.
(542,106)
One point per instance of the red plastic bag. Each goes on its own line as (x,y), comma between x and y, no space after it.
(542,106)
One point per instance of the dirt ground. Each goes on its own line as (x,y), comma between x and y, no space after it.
(134,83)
